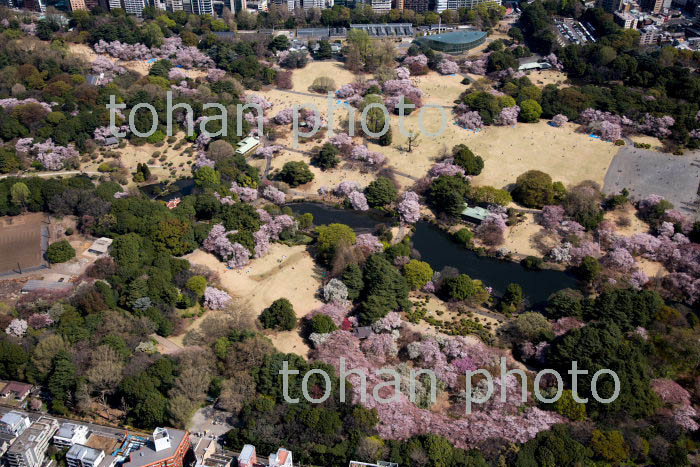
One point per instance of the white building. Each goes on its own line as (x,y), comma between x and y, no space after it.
(70,434)
(14,423)
(626,20)
(134,7)
(84,456)
(202,7)
(29,449)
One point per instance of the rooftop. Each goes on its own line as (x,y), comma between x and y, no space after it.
(475,212)
(68,430)
(464,36)
(85,453)
(147,453)
(12,418)
(21,389)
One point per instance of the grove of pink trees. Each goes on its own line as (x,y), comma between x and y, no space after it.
(394,89)
(402,419)
(172,49)
(445,168)
(10,103)
(51,156)
(273,194)
(107,67)
(245,194)
(234,254)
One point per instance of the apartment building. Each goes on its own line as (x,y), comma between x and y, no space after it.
(202,7)
(29,449)
(626,20)
(14,423)
(419,6)
(70,434)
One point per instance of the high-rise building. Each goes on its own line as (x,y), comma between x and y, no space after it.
(202,7)
(611,6)
(29,449)
(419,6)
(134,7)
(78,5)
(653,6)
(114,4)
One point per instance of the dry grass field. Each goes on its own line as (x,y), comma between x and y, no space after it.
(20,242)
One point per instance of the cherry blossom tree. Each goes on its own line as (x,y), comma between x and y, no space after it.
(216,299)
(11,102)
(559,120)
(17,328)
(409,208)
(177,74)
(554,61)
(246,194)
(40,320)
(445,168)
(337,311)
(358,201)
(284,117)
(271,193)
(345,188)
(51,156)
(403,73)
(335,291)
(369,244)
(257,99)
(657,126)
(389,323)
(203,161)
(492,230)
(619,259)
(610,131)
(470,120)
(509,116)
(363,154)
(418,64)
(551,217)
(215,74)
(106,67)
(268,151)
(395,88)
(447,67)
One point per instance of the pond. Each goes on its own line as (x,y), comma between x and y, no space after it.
(164,191)
(437,248)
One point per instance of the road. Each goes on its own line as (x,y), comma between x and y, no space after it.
(50,174)
(93,427)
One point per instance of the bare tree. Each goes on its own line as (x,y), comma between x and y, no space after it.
(105,371)
(236,391)
(413,141)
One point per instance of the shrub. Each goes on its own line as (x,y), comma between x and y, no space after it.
(381,192)
(534,189)
(323,84)
(530,111)
(322,324)
(532,263)
(327,157)
(417,273)
(464,236)
(197,284)
(60,252)
(280,316)
(463,287)
(465,158)
(295,173)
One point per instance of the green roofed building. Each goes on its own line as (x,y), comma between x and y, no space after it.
(454,42)
(474,214)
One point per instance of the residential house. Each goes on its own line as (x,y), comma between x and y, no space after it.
(282,458)
(15,390)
